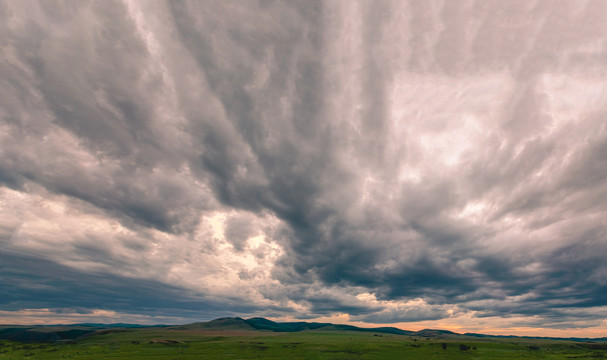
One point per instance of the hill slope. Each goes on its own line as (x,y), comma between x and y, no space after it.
(217,324)
(54,333)
(265,324)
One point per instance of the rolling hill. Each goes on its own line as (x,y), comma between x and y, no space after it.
(55,333)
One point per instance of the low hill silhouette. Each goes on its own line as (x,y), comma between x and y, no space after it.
(234,323)
(52,333)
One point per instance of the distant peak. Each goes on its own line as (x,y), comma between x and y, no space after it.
(228,318)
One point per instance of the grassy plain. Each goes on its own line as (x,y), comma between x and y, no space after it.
(153,343)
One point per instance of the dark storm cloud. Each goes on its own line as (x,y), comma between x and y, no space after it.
(404,315)
(277,122)
(30,283)
(75,87)
(158,116)
(434,271)
(238,229)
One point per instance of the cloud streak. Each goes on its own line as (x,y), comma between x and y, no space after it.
(391,161)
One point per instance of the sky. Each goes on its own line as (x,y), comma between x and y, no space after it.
(419,164)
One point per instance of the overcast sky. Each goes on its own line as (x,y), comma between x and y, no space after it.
(417,163)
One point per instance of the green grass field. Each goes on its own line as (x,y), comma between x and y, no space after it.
(175,344)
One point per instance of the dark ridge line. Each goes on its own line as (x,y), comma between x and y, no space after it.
(68,332)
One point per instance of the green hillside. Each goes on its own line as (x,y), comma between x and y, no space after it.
(171,343)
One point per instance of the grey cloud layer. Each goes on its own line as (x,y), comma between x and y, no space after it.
(453,153)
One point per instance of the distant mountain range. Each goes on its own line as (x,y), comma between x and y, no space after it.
(52,333)
(269,325)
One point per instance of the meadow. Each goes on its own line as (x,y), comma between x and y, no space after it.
(158,343)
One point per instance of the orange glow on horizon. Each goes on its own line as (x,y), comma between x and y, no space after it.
(453,325)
